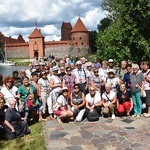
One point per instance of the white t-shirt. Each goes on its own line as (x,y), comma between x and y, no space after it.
(9,94)
(62,100)
(44,84)
(93,100)
(110,96)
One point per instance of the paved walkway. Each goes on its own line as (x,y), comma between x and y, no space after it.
(105,134)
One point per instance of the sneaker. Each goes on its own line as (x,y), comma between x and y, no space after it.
(134,115)
(146,115)
(138,116)
(113,116)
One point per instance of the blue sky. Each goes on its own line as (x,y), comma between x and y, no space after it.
(18,16)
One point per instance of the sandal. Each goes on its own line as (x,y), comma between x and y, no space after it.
(59,121)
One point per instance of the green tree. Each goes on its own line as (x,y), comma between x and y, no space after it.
(128,35)
(92,41)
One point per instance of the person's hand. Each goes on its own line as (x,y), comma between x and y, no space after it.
(76,107)
(12,130)
(106,105)
(1,126)
(91,110)
(93,106)
(21,107)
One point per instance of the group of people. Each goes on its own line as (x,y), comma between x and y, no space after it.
(72,89)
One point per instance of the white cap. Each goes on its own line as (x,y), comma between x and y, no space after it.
(110,60)
(111,70)
(78,62)
(64,89)
(55,68)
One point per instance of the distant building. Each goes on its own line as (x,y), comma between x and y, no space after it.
(74,41)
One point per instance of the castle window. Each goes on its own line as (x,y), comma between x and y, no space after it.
(80,38)
(76,43)
(73,38)
(82,43)
(35,43)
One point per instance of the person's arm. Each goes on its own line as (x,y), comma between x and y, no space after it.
(92,84)
(114,100)
(87,105)
(131,101)
(9,126)
(87,83)
(63,82)
(52,85)
(83,101)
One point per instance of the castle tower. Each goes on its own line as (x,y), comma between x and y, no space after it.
(80,35)
(36,44)
(66,31)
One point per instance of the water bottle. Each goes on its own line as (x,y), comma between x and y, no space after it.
(143,106)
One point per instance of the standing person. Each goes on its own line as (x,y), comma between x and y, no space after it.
(137,83)
(14,125)
(62,107)
(146,73)
(56,86)
(16,78)
(109,101)
(29,71)
(77,99)
(93,101)
(1,82)
(44,89)
(96,64)
(68,80)
(122,70)
(126,78)
(124,101)
(81,76)
(111,65)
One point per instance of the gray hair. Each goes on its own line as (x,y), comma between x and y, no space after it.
(135,66)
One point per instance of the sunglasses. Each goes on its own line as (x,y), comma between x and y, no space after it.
(92,90)
(79,65)
(69,70)
(9,82)
(95,71)
(76,88)
(65,91)
(89,66)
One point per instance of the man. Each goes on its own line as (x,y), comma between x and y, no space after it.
(111,65)
(81,76)
(96,64)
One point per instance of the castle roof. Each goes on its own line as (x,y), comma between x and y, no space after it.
(36,34)
(66,25)
(79,26)
(20,39)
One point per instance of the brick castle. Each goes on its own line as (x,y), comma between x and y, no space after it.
(74,41)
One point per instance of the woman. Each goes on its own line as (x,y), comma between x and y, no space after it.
(124,101)
(68,80)
(93,101)
(26,91)
(9,92)
(137,83)
(55,85)
(109,101)
(77,99)
(14,125)
(62,107)
(146,73)
(44,89)
(96,80)
(2,116)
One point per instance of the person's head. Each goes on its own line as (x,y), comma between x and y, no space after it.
(2,102)
(37,66)
(111,63)
(8,81)
(22,73)
(76,88)
(43,74)
(107,88)
(92,91)
(15,74)
(72,65)
(30,66)
(96,72)
(129,68)
(95,60)
(123,64)
(122,87)
(135,68)
(111,73)
(65,91)
(89,66)
(79,64)
(62,63)
(62,69)
(68,70)
(83,60)
(145,65)
(35,77)
(55,70)
(46,69)
(104,64)
(1,95)
(12,103)
(26,81)
(141,65)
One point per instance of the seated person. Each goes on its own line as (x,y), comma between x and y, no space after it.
(2,116)
(77,99)
(93,101)
(124,101)
(62,107)
(109,101)
(14,125)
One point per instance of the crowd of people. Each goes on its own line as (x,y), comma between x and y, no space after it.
(72,90)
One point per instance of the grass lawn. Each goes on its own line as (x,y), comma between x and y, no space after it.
(32,141)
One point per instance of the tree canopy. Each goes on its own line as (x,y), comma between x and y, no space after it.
(128,35)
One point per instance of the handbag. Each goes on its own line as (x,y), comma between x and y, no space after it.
(92,116)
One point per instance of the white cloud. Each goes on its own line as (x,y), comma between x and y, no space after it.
(18,16)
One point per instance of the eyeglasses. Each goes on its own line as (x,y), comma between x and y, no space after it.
(89,66)
(65,91)
(1,102)
(92,90)
(9,81)
(78,65)
(69,70)
(46,69)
